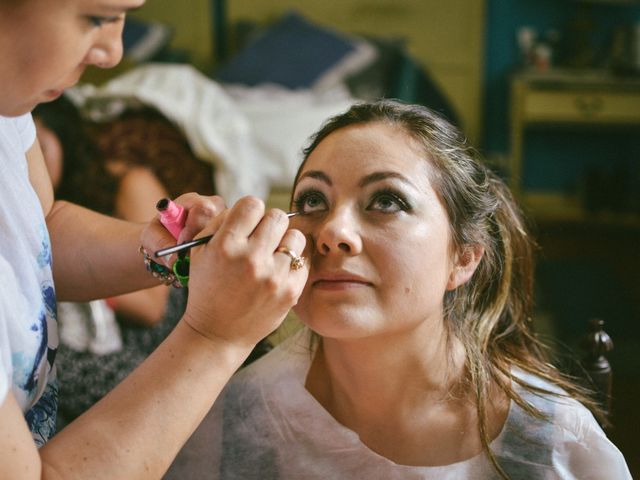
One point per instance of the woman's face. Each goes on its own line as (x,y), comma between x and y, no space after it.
(46,45)
(378,235)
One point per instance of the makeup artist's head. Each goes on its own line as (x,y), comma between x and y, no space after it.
(46,45)
(407,228)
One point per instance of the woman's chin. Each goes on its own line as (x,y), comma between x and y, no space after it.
(339,327)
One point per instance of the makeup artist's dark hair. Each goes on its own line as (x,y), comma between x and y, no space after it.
(491,313)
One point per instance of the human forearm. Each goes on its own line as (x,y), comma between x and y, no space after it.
(94,256)
(136,430)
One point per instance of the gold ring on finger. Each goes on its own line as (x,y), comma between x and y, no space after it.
(297,262)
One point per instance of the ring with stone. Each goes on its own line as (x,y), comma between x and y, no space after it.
(297,262)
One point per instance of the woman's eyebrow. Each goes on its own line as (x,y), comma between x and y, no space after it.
(318,175)
(121,8)
(378,176)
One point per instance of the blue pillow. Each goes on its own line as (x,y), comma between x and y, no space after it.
(142,41)
(293,52)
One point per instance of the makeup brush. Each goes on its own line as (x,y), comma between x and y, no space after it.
(195,242)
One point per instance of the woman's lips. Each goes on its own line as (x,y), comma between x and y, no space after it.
(338,282)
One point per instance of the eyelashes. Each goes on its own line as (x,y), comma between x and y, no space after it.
(309,201)
(389,200)
(98,21)
(385,200)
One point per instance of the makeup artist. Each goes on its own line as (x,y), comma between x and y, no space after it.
(240,287)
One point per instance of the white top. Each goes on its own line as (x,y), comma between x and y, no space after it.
(28,326)
(267,425)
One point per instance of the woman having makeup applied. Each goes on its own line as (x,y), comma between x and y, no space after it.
(417,359)
(242,283)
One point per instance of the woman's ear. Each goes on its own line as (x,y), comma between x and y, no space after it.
(465,265)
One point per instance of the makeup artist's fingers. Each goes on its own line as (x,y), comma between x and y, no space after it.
(294,241)
(240,288)
(230,229)
(155,237)
(200,211)
(268,233)
(299,223)
(239,224)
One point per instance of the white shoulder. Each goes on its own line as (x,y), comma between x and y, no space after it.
(581,449)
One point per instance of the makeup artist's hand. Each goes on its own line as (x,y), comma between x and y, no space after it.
(240,287)
(200,211)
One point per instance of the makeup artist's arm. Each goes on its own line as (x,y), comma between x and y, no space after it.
(138,428)
(96,256)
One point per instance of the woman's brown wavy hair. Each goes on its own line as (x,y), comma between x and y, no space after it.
(491,313)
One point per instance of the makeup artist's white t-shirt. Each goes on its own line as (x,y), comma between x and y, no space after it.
(28,325)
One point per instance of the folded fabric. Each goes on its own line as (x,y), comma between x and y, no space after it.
(283,121)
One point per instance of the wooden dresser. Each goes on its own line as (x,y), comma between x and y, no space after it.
(573,100)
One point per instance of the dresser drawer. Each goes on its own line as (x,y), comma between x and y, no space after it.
(582,106)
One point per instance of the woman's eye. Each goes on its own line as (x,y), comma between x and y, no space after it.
(388,202)
(98,21)
(310,202)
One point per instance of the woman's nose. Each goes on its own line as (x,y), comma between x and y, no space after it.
(339,234)
(106,52)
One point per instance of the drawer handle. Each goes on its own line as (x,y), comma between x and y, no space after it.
(589,105)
